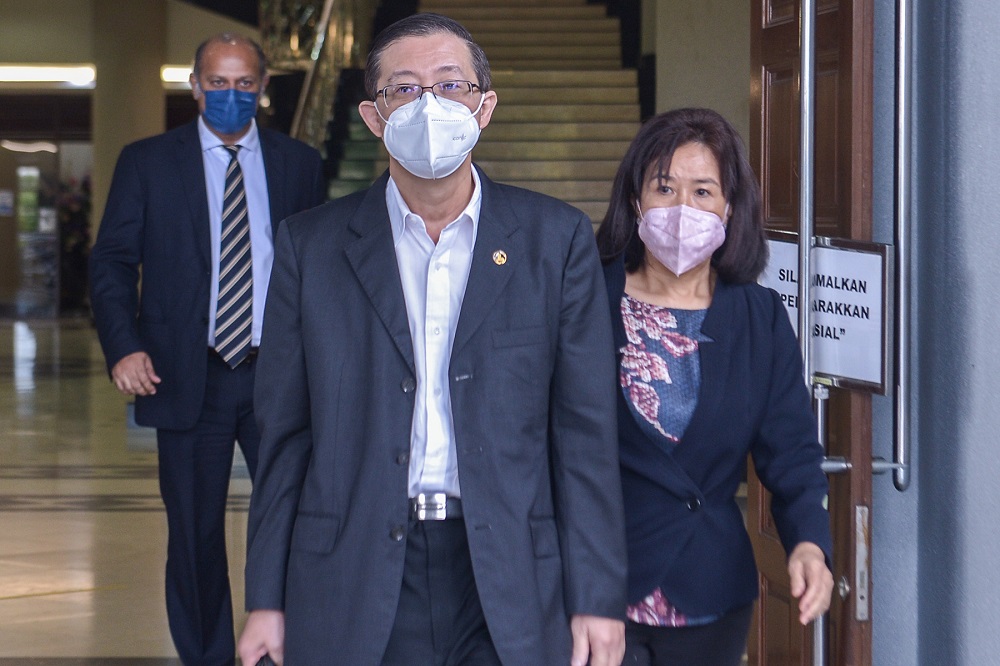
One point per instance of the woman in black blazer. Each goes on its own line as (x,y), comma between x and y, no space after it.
(709,371)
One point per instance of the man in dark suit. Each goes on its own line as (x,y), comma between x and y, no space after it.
(194,211)
(438,479)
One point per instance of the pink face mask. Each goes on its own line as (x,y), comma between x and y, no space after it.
(681,237)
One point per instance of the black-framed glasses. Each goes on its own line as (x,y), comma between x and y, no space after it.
(398,94)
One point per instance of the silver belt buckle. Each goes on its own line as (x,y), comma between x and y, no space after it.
(430,506)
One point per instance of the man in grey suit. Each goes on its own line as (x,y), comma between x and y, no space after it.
(438,479)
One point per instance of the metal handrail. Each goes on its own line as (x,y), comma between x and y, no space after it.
(308,84)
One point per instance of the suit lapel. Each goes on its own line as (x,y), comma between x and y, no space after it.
(274,173)
(191,168)
(373,258)
(490,269)
(714,357)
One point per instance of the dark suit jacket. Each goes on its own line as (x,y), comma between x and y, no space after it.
(157,218)
(531,385)
(685,531)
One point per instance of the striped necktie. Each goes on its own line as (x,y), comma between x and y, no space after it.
(234,311)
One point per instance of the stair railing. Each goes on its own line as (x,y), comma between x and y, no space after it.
(318,37)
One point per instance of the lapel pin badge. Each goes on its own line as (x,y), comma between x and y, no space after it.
(499,257)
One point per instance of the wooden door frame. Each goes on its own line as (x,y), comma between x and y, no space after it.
(850,433)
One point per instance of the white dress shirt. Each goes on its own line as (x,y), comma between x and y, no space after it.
(434,277)
(216,160)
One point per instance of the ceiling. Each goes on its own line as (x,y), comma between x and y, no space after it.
(240,10)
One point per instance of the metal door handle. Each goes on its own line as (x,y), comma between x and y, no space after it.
(841,465)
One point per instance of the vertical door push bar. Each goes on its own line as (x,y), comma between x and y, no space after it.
(807,164)
(904,94)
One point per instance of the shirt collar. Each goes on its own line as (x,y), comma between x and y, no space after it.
(399,211)
(249,141)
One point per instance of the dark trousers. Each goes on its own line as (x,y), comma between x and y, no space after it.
(195,468)
(721,643)
(439,620)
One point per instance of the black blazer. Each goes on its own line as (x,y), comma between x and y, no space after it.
(685,531)
(531,375)
(157,218)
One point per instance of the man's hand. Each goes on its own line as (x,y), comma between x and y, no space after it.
(134,375)
(599,638)
(811,581)
(264,634)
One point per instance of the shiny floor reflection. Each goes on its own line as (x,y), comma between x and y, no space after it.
(82,527)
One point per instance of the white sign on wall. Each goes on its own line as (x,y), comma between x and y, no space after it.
(848,308)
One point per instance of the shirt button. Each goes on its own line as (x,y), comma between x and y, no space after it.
(437,331)
(408,384)
(693,504)
(402,458)
(397,533)
(437,391)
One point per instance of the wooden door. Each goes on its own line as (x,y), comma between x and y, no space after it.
(843,171)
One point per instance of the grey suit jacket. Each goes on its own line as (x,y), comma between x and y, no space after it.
(533,392)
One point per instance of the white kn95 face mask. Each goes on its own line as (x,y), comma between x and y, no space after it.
(431,136)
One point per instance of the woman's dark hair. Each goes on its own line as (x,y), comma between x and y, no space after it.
(421,25)
(743,255)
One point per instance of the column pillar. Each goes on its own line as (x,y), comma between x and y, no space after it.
(129,101)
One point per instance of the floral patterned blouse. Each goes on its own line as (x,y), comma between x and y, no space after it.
(660,376)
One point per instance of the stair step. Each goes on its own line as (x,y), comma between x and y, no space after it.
(569,190)
(613,77)
(595,210)
(483,12)
(442,6)
(499,130)
(572,64)
(359,132)
(583,51)
(563,93)
(550,150)
(490,41)
(549,170)
(567,113)
(362,150)
(509,170)
(509,25)
(339,187)
(512,131)
(360,169)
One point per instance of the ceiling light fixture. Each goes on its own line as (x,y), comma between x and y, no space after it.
(64,76)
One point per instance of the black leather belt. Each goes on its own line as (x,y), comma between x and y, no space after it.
(435,506)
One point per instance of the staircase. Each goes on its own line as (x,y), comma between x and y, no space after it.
(566,109)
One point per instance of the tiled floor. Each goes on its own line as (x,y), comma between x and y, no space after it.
(82,528)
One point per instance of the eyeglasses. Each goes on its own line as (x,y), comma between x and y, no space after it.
(398,94)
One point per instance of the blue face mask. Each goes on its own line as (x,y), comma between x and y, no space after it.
(228,111)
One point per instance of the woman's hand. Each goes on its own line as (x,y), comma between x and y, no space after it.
(811,581)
